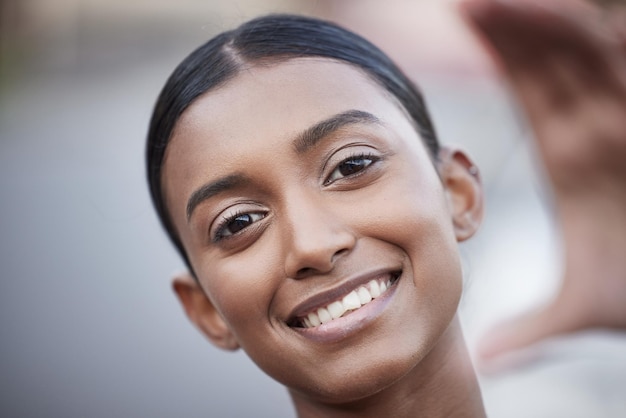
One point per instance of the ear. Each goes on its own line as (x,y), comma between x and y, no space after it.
(463,187)
(202,313)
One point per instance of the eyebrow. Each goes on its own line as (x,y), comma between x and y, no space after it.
(313,135)
(213,188)
(302,143)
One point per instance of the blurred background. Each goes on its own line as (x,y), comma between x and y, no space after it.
(88,323)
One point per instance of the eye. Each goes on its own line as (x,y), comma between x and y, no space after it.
(233,224)
(351,166)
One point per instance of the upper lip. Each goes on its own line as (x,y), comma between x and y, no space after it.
(324,298)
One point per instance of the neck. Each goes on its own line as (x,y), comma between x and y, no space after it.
(443,384)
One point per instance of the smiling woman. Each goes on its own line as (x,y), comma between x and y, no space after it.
(297,171)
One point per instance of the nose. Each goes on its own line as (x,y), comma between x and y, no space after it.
(316,237)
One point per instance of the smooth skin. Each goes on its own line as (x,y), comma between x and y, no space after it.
(289,219)
(565,61)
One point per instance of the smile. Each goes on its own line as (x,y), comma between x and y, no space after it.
(347,304)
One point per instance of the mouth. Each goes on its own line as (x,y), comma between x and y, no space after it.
(348,303)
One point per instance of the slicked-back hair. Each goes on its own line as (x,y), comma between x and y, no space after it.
(271,38)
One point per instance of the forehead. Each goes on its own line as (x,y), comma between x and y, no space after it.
(298,91)
(259,111)
(278,99)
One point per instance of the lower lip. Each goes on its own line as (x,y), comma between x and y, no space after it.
(343,327)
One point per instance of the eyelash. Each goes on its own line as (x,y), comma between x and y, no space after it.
(354,157)
(220,233)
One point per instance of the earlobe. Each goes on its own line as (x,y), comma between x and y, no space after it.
(202,313)
(461,180)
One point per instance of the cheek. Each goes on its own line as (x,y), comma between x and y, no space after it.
(433,253)
(413,215)
(411,209)
(242,287)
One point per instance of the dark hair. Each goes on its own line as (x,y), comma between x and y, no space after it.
(271,38)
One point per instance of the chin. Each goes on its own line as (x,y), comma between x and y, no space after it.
(345,381)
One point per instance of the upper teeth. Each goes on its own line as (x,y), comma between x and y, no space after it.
(351,301)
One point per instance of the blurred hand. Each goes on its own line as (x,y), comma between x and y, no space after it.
(565,61)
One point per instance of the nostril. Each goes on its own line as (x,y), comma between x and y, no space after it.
(339,254)
(309,271)
(311,252)
(304,272)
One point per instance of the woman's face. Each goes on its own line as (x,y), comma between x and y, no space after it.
(296,188)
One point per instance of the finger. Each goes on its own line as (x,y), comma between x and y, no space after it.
(544,38)
(617,21)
